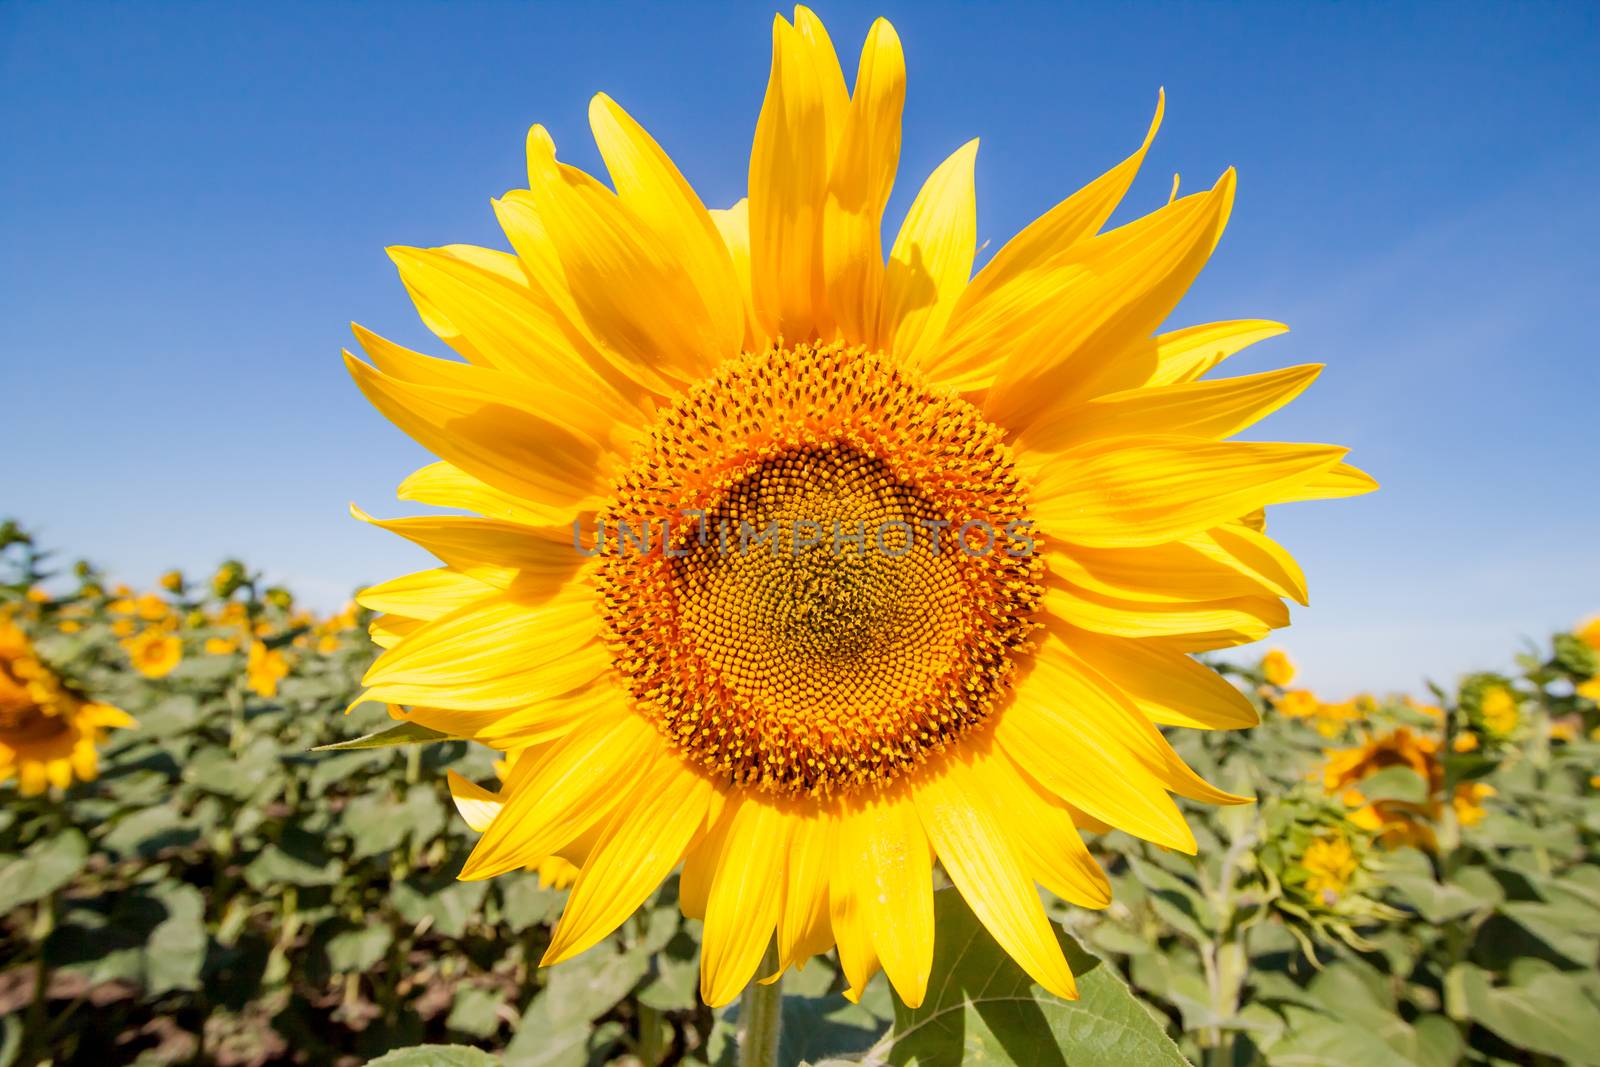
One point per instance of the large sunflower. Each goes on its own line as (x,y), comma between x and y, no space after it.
(48,730)
(769,669)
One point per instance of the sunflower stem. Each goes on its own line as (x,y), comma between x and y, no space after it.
(762,1009)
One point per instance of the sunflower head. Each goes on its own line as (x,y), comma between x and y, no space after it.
(48,730)
(805,559)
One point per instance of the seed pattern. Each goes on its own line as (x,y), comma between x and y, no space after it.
(818,628)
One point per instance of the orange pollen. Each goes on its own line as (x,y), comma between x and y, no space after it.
(839,570)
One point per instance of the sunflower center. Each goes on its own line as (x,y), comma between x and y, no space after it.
(839,566)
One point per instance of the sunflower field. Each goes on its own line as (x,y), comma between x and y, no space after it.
(206,859)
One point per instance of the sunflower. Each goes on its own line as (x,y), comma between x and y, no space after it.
(805,567)
(1277,668)
(155,653)
(48,731)
(264,669)
(1330,863)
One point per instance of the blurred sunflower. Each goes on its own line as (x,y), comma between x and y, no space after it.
(48,731)
(264,669)
(1329,863)
(808,730)
(1277,668)
(155,653)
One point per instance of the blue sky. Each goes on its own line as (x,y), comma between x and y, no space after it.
(195,199)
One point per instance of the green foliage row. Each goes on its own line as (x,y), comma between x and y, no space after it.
(224,895)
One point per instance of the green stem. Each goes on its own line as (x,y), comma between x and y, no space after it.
(762,1008)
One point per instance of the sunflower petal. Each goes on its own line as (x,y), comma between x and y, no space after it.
(644,840)
(650,184)
(975,848)
(932,258)
(743,902)
(884,844)
(1213,409)
(858,188)
(1127,492)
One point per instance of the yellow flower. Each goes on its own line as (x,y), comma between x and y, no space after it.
(152,608)
(1469,812)
(1563,731)
(1466,741)
(807,725)
(38,595)
(1500,714)
(221,646)
(1589,632)
(48,731)
(1331,863)
(1298,704)
(1590,690)
(264,669)
(124,627)
(1398,748)
(1277,668)
(172,581)
(154,652)
(327,644)
(71,626)
(123,606)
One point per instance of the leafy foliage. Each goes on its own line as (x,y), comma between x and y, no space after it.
(257,878)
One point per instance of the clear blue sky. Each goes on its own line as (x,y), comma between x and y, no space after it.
(195,198)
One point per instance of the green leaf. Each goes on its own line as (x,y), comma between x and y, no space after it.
(541,1041)
(436,1056)
(405,733)
(982,1008)
(476,1012)
(588,986)
(1395,783)
(46,865)
(353,951)
(176,950)
(1549,1012)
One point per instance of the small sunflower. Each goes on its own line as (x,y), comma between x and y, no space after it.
(155,652)
(806,567)
(48,731)
(264,669)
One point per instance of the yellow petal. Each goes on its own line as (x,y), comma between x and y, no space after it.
(1126,492)
(803,922)
(536,723)
(533,561)
(973,844)
(508,445)
(1253,553)
(858,188)
(858,955)
(495,652)
(444,485)
(640,305)
(639,847)
(1214,409)
(1340,481)
(1048,844)
(789,164)
(883,842)
(484,305)
(1206,623)
(1049,237)
(554,796)
(478,806)
(648,183)
(425,594)
(742,905)
(1178,572)
(932,258)
(1106,295)
(1167,685)
(734,225)
(1014,270)
(1184,355)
